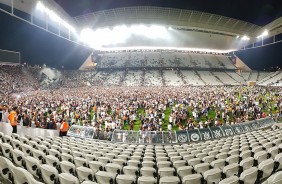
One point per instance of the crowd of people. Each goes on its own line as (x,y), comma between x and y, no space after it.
(132,108)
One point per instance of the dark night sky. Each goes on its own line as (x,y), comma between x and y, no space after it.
(259,12)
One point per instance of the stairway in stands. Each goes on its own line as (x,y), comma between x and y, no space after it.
(249,78)
(123,77)
(162,77)
(143,77)
(200,77)
(221,63)
(217,77)
(233,77)
(181,76)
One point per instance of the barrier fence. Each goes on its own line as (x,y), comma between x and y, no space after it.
(10,57)
(164,137)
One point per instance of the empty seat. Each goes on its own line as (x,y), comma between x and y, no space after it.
(67,167)
(201,155)
(148,164)
(16,143)
(247,163)
(148,171)
(194,161)
(245,154)
(193,178)
(162,164)
(32,165)
(84,173)
(169,180)
(232,159)
(249,176)
(113,168)
(43,148)
(219,163)
(208,159)
(78,162)
(146,180)
(130,170)
(273,151)
(222,155)
(104,160)
(201,168)
(266,168)
(96,166)
(66,178)
(49,174)
(103,177)
(7,150)
(54,153)
(260,156)
(179,163)
(21,175)
(230,180)
(5,165)
(120,162)
(7,139)
(166,171)
(188,157)
(278,161)
(158,159)
(184,171)
(39,155)
(231,170)
(52,161)
(125,179)
(134,163)
(274,179)
(18,157)
(212,176)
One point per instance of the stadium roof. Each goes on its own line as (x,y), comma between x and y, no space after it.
(180,18)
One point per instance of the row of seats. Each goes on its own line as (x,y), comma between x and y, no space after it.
(250,157)
(155,59)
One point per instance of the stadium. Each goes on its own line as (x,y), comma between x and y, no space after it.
(145,92)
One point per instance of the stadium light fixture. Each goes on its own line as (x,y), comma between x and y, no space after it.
(54,16)
(265,33)
(40,6)
(245,38)
(68,26)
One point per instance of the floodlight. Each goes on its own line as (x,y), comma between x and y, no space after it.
(138,29)
(120,34)
(265,33)
(245,37)
(86,35)
(156,31)
(40,6)
(237,36)
(68,26)
(54,16)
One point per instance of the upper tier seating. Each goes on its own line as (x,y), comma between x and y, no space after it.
(165,59)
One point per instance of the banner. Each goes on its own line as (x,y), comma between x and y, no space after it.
(194,135)
(182,136)
(168,137)
(206,134)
